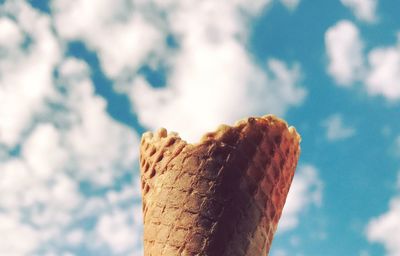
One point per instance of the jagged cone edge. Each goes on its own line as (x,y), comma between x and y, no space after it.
(221,196)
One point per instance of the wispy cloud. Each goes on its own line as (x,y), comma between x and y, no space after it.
(336,129)
(364,10)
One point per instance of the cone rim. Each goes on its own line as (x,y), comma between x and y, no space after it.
(151,137)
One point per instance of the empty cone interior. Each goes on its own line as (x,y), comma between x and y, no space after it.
(221,196)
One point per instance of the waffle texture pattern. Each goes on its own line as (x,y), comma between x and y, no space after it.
(221,196)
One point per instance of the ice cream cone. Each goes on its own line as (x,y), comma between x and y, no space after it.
(221,196)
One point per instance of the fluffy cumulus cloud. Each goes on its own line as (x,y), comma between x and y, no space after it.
(306,190)
(57,142)
(193,106)
(64,159)
(344,49)
(385,229)
(378,70)
(212,78)
(115,229)
(336,129)
(26,74)
(207,61)
(364,10)
(91,136)
(122,37)
(384,75)
(12,232)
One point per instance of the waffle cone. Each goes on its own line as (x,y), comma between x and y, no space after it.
(221,196)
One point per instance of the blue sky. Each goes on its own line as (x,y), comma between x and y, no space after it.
(80,81)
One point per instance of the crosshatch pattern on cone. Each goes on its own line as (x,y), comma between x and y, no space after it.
(221,196)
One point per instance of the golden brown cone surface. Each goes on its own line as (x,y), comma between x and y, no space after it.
(221,196)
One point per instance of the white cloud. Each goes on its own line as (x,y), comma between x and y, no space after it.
(344,48)
(385,229)
(91,142)
(73,140)
(380,74)
(48,196)
(198,103)
(10,34)
(384,75)
(11,235)
(91,146)
(96,142)
(25,74)
(336,129)
(364,10)
(115,229)
(75,237)
(212,77)
(68,141)
(290,4)
(44,141)
(123,38)
(211,59)
(306,190)
(73,69)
